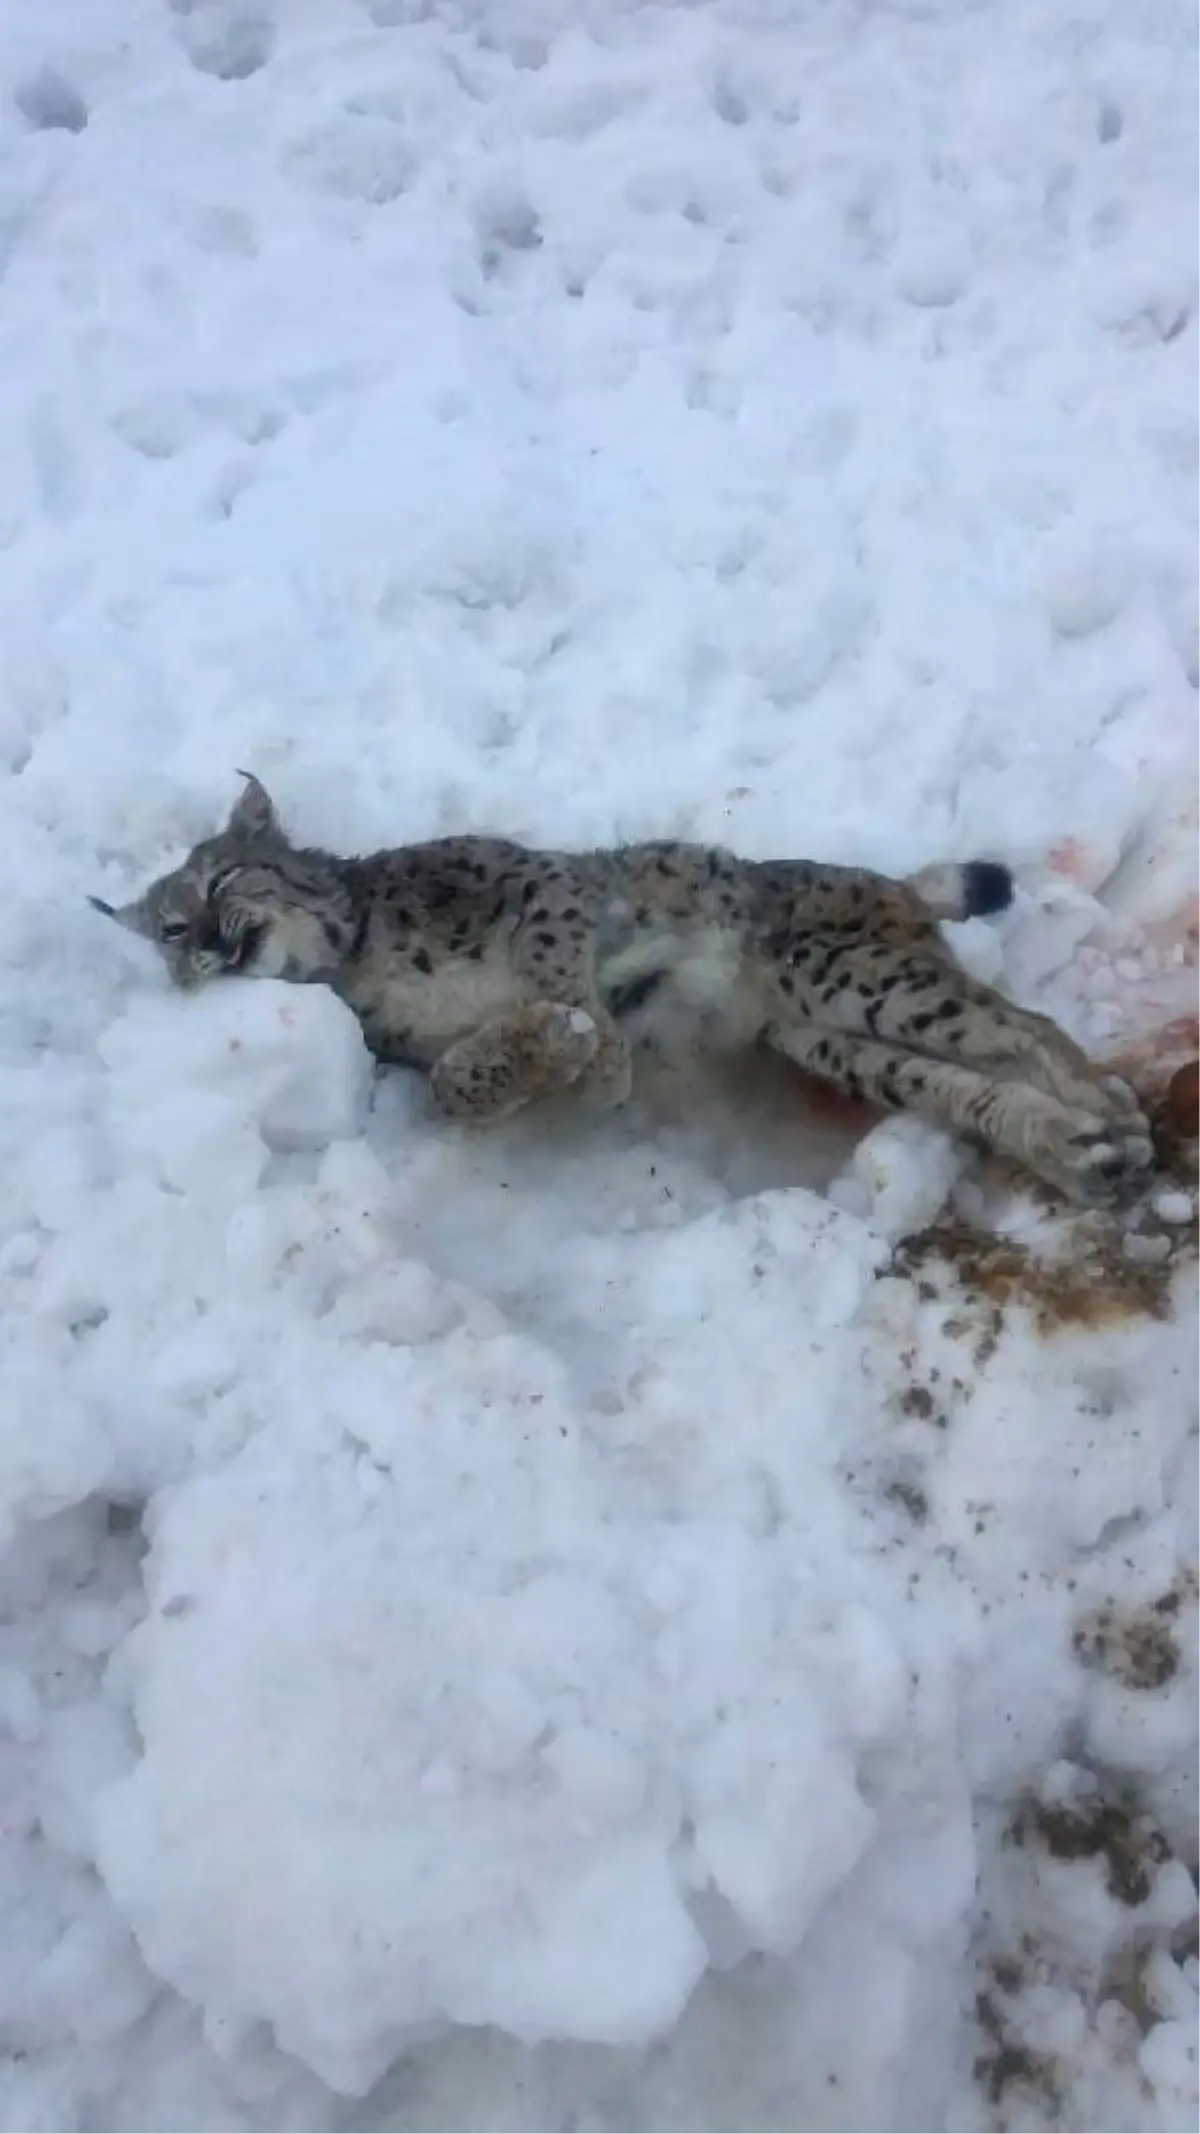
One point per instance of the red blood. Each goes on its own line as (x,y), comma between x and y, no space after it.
(831,1105)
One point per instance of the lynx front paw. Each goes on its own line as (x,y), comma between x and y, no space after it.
(567,1039)
(510,1062)
(609,1078)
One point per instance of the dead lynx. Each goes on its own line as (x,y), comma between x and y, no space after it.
(507,974)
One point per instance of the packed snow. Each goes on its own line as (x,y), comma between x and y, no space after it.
(676,1620)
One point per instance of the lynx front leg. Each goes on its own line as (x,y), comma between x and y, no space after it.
(1088,1156)
(554,947)
(529,1052)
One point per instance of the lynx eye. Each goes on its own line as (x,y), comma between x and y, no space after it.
(172,929)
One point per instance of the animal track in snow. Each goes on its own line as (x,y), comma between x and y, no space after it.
(164,424)
(225,230)
(229,44)
(357,157)
(397,14)
(50,103)
(506,222)
(231,483)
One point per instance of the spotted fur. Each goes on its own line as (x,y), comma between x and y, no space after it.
(507,973)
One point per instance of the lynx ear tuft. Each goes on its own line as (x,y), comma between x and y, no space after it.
(253,813)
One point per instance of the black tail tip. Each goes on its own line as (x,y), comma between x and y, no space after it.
(987,888)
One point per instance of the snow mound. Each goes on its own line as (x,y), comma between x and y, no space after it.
(219,1079)
(471,1694)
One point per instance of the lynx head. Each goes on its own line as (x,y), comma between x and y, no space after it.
(246,902)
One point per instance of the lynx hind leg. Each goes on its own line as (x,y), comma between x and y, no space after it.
(997,1035)
(994,1034)
(531,1052)
(1092,1159)
(914,994)
(1039,1051)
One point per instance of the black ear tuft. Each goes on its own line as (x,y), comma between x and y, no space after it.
(987,888)
(98,904)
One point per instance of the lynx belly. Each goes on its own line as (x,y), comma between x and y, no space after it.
(684,993)
(425,1010)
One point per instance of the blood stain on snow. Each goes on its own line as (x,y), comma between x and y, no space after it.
(833,1106)
(1071,859)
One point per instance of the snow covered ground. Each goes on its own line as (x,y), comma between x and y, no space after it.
(588,1628)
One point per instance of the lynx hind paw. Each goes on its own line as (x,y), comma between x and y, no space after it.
(1102,1162)
(1123,1100)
